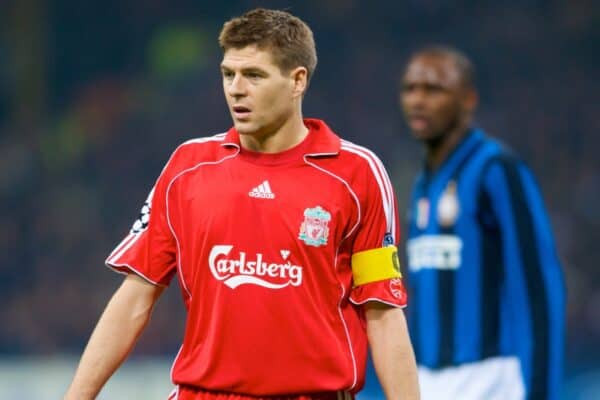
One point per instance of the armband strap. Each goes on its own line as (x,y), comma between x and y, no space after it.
(375,265)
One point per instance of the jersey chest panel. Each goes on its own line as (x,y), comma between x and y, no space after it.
(251,227)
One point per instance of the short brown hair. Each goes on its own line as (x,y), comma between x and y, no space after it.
(289,39)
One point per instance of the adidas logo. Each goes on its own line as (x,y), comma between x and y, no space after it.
(262,191)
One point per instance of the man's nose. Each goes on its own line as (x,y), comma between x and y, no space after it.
(237,86)
(415,97)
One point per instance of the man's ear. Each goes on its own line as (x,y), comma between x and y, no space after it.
(470,100)
(299,76)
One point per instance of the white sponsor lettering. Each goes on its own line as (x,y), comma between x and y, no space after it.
(434,251)
(261,195)
(245,270)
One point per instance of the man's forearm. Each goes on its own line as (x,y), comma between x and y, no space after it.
(392,352)
(120,325)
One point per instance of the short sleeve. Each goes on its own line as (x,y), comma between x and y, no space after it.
(149,249)
(378,228)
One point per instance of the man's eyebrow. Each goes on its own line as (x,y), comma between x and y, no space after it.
(254,69)
(247,69)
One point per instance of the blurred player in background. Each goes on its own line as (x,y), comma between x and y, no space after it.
(488,299)
(282,239)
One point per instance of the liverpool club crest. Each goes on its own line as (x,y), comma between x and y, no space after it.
(314,231)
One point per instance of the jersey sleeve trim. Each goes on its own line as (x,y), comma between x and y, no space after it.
(378,300)
(126,269)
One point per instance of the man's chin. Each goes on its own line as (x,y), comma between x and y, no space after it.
(243,128)
(431,139)
(423,135)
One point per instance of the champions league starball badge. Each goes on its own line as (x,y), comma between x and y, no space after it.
(448,206)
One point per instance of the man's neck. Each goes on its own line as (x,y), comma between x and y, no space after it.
(289,134)
(439,150)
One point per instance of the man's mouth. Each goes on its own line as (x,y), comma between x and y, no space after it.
(418,122)
(240,112)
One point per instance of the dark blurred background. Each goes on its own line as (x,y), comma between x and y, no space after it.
(95,95)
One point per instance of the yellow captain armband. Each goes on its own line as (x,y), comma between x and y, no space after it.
(375,265)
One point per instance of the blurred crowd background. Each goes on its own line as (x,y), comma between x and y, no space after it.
(95,95)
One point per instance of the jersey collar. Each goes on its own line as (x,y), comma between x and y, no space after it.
(322,141)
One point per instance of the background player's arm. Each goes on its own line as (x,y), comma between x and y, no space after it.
(392,351)
(120,325)
(534,274)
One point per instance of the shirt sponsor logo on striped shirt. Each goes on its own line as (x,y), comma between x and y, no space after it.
(434,252)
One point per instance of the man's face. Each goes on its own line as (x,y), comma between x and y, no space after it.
(433,97)
(259,95)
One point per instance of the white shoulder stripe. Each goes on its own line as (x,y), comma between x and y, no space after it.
(383,181)
(131,238)
(215,138)
(369,155)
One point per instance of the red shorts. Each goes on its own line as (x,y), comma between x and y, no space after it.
(187,393)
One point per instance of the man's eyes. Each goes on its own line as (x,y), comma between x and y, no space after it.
(249,75)
(431,88)
(254,75)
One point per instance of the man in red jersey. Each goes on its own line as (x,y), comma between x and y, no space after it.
(282,237)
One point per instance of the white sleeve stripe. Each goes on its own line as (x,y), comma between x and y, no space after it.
(387,185)
(121,245)
(114,258)
(383,181)
(373,161)
(380,167)
(131,238)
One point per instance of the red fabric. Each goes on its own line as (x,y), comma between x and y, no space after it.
(185,393)
(261,244)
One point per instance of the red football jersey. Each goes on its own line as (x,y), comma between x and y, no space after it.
(262,245)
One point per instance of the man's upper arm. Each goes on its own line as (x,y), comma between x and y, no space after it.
(534,285)
(138,294)
(149,249)
(375,265)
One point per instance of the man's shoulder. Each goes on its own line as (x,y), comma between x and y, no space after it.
(195,151)
(361,167)
(497,157)
(359,156)
(202,144)
(491,150)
